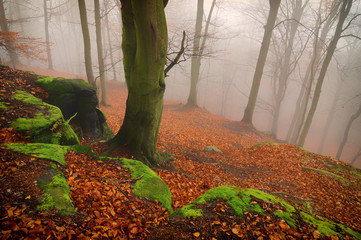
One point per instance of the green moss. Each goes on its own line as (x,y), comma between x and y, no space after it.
(349,169)
(305,150)
(41,150)
(3,107)
(264,144)
(55,194)
(230,194)
(59,86)
(211,148)
(330,174)
(287,217)
(47,126)
(150,185)
(241,201)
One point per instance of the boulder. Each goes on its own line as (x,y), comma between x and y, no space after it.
(77,99)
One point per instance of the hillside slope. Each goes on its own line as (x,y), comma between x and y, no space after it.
(208,151)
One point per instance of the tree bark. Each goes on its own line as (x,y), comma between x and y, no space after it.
(87,44)
(145,42)
(347,130)
(98,29)
(272,16)
(345,9)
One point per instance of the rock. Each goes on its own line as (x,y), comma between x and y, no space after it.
(77,98)
(47,125)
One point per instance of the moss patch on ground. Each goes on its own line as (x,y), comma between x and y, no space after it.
(264,144)
(56,193)
(211,149)
(3,107)
(241,201)
(41,150)
(149,185)
(47,126)
(329,174)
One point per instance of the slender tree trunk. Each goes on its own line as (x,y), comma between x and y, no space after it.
(87,44)
(145,42)
(345,9)
(292,27)
(358,154)
(347,130)
(272,16)
(110,46)
(330,117)
(10,45)
(47,38)
(98,30)
(196,58)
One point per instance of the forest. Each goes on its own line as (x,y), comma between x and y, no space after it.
(161,119)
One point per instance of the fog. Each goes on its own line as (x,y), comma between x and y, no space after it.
(227,66)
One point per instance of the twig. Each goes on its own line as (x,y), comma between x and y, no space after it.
(104,179)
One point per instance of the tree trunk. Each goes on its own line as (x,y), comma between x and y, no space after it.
(144,46)
(98,30)
(330,117)
(196,58)
(110,45)
(347,130)
(248,113)
(292,27)
(87,45)
(312,69)
(10,45)
(345,9)
(47,38)
(358,154)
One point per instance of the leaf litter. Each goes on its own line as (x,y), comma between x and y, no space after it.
(107,209)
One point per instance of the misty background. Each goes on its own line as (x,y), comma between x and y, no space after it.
(227,64)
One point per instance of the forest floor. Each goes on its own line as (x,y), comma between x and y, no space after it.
(106,210)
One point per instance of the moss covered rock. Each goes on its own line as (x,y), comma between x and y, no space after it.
(242,200)
(47,125)
(77,98)
(149,184)
(41,150)
(56,193)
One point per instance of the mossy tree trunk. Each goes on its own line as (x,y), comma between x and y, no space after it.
(272,16)
(145,41)
(87,44)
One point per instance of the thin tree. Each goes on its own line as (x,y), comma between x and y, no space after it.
(144,44)
(7,36)
(272,16)
(196,59)
(347,130)
(106,19)
(319,46)
(87,44)
(345,9)
(98,30)
(287,66)
(47,37)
